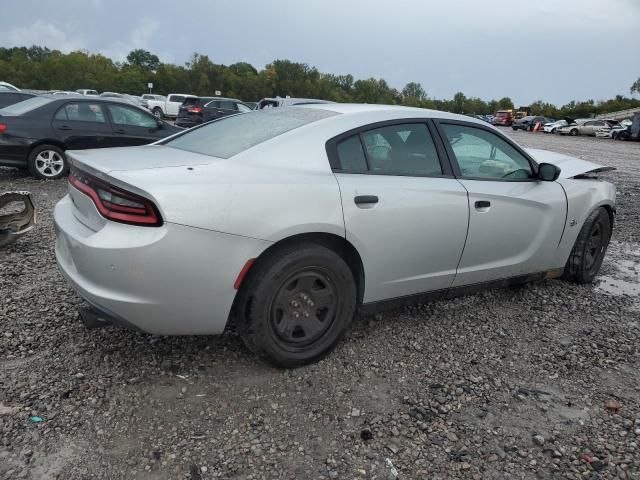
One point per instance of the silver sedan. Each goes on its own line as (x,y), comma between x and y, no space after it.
(288,221)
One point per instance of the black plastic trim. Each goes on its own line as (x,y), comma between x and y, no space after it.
(423,297)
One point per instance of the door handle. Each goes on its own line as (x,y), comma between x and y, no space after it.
(65,127)
(483,204)
(364,199)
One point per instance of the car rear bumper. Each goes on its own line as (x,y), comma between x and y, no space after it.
(168,280)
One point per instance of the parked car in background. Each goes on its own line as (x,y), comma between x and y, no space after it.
(4,86)
(10,97)
(529,122)
(582,126)
(287,101)
(36,133)
(612,128)
(152,96)
(503,118)
(86,91)
(291,220)
(552,127)
(63,92)
(168,107)
(631,132)
(197,110)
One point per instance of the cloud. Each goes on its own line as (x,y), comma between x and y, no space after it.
(44,34)
(142,35)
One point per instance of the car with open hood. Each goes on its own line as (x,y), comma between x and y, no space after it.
(285,222)
(582,126)
(552,127)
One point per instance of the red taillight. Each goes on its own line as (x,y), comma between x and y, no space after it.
(3,127)
(194,109)
(115,203)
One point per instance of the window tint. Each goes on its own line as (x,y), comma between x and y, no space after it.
(233,134)
(26,105)
(213,104)
(351,155)
(483,154)
(81,112)
(406,149)
(177,98)
(228,105)
(243,108)
(121,115)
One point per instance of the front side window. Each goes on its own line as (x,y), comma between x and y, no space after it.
(81,112)
(243,108)
(121,115)
(177,98)
(484,155)
(405,149)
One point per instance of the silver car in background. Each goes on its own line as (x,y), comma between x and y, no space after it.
(289,220)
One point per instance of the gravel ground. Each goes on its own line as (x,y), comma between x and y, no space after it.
(541,381)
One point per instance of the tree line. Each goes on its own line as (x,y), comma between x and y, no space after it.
(43,69)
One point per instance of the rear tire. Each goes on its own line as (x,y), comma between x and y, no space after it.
(48,162)
(573,132)
(296,304)
(588,252)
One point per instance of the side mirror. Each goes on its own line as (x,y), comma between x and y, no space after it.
(548,172)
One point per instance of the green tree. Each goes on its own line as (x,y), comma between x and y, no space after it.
(635,88)
(147,61)
(413,94)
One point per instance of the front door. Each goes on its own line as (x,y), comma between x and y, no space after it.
(515,221)
(403,211)
(132,126)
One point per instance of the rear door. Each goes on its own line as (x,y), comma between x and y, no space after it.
(81,125)
(132,126)
(515,221)
(403,211)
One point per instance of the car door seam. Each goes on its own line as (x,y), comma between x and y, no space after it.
(466,237)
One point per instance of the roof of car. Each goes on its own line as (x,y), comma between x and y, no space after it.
(353,108)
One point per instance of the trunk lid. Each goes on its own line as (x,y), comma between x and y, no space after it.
(107,160)
(569,166)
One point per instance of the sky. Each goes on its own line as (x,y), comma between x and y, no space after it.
(554,50)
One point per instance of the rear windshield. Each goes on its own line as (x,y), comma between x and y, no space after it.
(26,105)
(231,135)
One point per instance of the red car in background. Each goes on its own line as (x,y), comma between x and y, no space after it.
(503,118)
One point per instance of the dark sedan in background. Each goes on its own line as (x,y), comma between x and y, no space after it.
(35,133)
(197,110)
(529,122)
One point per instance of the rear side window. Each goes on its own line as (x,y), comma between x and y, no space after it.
(81,112)
(26,105)
(228,105)
(231,135)
(177,98)
(351,155)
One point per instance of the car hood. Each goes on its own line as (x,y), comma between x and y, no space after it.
(107,160)
(569,166)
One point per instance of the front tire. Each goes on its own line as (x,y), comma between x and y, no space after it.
(588,252)
(296,305)
(157,112)
(48,162)
(573,132)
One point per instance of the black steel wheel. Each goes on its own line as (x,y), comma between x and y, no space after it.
(296,304)
(589,249)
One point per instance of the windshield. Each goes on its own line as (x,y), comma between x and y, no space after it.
(26,105)
(231,135)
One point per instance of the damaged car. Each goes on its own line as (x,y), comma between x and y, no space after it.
(17,216)
(298,218)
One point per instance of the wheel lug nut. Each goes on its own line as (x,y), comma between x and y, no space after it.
(295,304)
(306,314)
(296,315)
(310,303)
